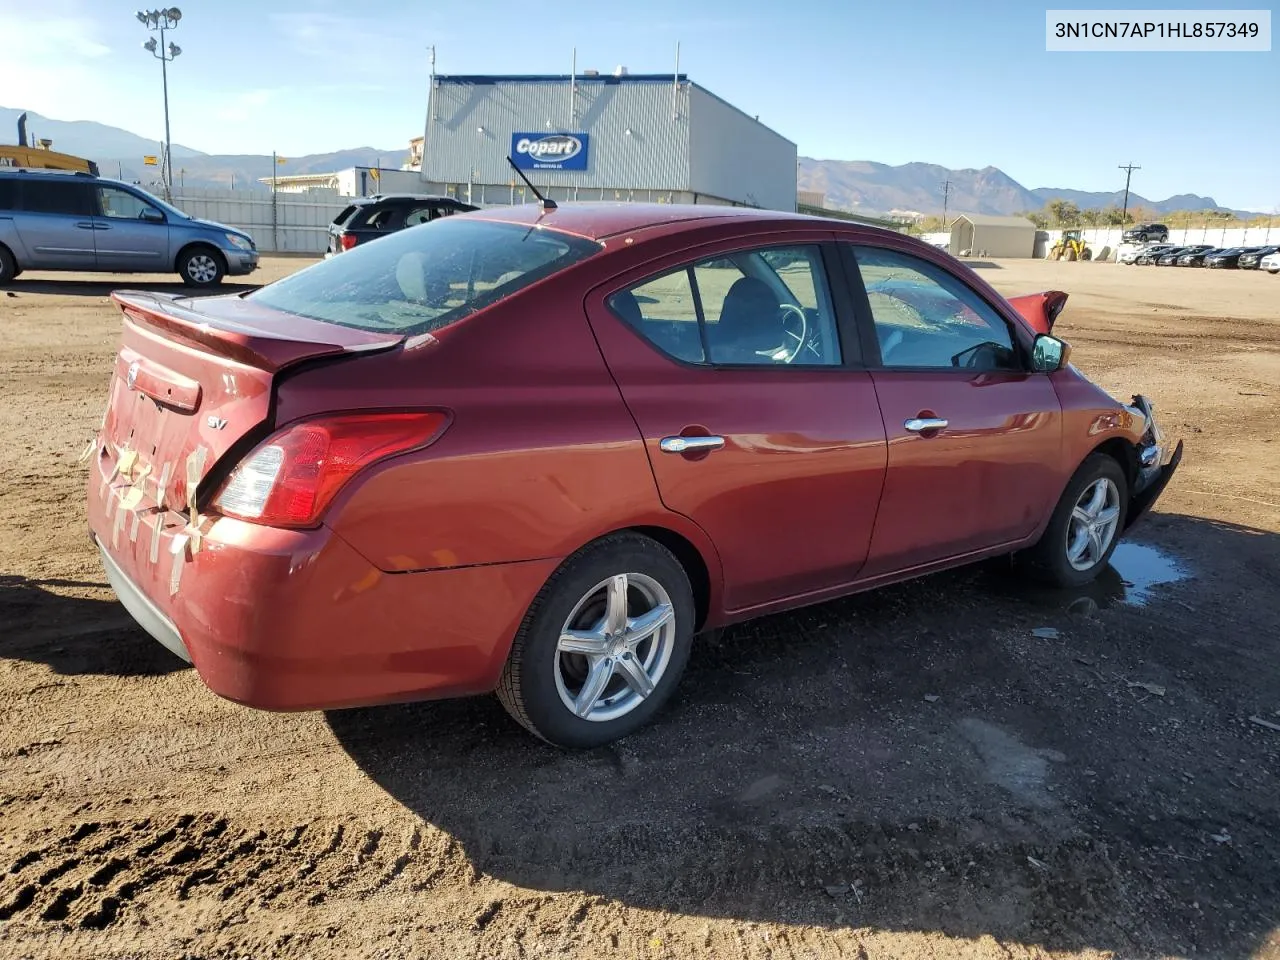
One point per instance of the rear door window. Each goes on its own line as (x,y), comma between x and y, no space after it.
(421,214)
(415,281)
(55,196)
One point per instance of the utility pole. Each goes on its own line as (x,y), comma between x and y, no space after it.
(1128,173)
(162,20)
(946,195)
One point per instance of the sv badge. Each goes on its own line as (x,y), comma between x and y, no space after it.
(215,423)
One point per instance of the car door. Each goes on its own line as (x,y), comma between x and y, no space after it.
(54,221)
(759,423)
(132,234)
(973,435)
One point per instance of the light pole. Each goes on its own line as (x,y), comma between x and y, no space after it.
(162,20)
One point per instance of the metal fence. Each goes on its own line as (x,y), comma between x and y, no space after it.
(278,222)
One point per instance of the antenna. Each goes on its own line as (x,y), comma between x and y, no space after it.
(547,203)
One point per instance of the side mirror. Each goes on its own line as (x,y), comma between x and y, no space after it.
(1049,354)
(151,216)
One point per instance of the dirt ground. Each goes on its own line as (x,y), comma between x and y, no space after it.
(909,773)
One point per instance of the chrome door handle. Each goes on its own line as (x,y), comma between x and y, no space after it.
(690,444)
(920,424)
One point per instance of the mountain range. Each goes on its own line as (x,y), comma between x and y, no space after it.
(856,185)
(862,186)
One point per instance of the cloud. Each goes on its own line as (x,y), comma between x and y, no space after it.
(60,37)
(243,106)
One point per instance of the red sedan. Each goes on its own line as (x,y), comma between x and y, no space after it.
(538,451)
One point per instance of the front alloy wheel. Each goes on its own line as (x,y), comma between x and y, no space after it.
(1093,524)
(603,645)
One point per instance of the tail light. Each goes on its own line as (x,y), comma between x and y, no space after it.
(289,479)
(347,240)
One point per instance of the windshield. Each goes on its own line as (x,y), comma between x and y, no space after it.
(425,277)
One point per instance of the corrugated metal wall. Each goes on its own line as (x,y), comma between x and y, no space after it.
(737,157)
(684,142)
(468,133)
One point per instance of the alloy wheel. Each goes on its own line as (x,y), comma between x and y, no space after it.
(1094,520)
(615,647)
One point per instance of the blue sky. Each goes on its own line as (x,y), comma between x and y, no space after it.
(959,84)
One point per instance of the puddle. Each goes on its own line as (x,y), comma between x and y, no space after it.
(1142,567)
(1134,570)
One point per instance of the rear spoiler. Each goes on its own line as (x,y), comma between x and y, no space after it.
(212,329)
(1040,309)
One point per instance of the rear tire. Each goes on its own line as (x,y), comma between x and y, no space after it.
(552,691)
(8,265)
(1067,555)
(201,267)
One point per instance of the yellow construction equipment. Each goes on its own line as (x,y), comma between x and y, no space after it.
(1070,246)
(39,156)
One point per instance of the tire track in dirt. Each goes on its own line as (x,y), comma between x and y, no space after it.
(90,876)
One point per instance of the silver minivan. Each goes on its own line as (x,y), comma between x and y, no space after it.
(59,220)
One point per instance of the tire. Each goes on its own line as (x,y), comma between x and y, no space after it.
(1050,560)
(201,267)
(8,265)
(540,680)
(1070,255)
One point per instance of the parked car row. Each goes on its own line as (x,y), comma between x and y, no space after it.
(1205,255)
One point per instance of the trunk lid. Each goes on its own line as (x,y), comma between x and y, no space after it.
(192,378)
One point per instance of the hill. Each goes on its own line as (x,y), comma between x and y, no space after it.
(84,138)
(877,188)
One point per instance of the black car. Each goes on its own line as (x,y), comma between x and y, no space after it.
(1227,259)
(367,218)
(1250,260)
(1148,257)
(1145,233)
(1170,257)
(1195,258)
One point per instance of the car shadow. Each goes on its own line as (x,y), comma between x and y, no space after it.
(42,622)
(103,288)
(960,754)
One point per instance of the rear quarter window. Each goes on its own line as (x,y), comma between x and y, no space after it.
(345,215)
(8,194)
(419,280)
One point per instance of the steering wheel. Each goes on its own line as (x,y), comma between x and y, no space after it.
(782,353)
(974,352)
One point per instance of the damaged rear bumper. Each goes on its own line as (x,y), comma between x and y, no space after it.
(1157,462)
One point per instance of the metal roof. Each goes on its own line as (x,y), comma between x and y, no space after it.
(488,78)
(986,220)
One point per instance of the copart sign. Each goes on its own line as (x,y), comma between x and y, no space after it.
(549,151)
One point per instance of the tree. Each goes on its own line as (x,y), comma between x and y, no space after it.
(1113,217)
(1038,217)
(1064,213)
(1091,217)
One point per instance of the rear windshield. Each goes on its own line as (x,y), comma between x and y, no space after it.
(425,277)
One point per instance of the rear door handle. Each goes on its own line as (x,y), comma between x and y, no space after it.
(85,225)
(690,444)
(920,424)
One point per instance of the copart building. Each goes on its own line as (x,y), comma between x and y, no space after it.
(631,137)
